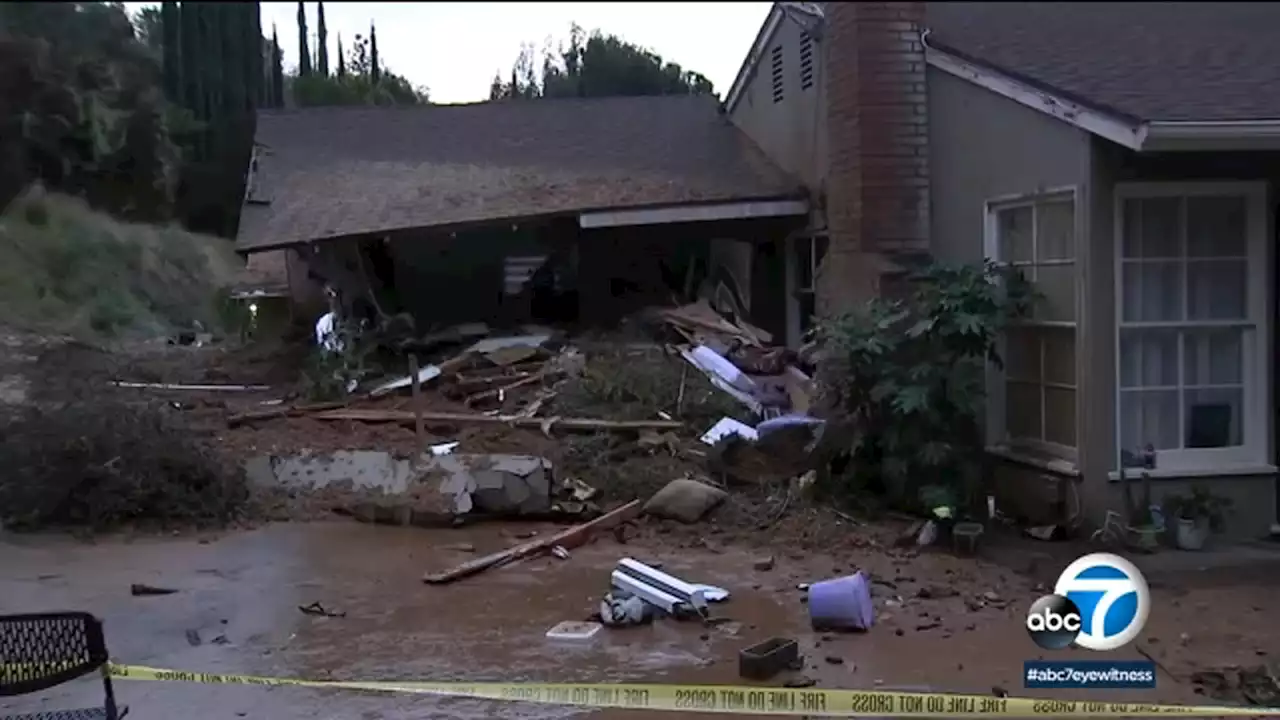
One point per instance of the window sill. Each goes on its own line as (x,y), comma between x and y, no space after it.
(1053,465)
(1206,472)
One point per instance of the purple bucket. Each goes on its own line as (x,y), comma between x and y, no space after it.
(841,604)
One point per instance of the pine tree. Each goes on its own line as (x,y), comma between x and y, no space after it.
(304,54)
(375,73)
(322,43)
(342,61)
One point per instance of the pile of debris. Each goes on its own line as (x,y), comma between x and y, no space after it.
(697,410)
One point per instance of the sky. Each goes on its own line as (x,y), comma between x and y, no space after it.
(455,48)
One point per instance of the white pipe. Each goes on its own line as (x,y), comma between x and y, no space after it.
(653,596)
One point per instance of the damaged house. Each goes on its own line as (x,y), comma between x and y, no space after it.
(1123,155)
(573,210)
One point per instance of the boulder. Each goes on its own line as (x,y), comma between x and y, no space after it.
(684,500)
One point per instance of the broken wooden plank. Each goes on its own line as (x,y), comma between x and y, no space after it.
(279,412)
(573,537)
(191,388)
(403,417)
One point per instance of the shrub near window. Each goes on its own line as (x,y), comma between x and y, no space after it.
(908,377)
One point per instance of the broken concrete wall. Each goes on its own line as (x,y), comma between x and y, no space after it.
(421,490)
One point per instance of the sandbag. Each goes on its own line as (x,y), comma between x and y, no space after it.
(684,500)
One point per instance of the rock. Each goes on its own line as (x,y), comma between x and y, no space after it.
(764,563)
(936,592)
(991,596)
(898,632)
(193,638)
(999,691)
(684,500)
(835,660)
(800,682)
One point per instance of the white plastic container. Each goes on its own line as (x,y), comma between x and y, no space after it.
(574,630)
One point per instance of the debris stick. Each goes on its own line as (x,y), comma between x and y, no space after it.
(498,392)
(279,412)
(417,405)
(573,537)
(584,424)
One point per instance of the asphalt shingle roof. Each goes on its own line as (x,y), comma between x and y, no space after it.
(331,172)
(1155,61)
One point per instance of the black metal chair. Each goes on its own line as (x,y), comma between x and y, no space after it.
(39,651)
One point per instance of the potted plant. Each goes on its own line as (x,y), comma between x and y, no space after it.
(1197,515)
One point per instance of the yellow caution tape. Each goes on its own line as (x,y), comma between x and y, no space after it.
(725,698)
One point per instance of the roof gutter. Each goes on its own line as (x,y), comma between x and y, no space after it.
(1213,135)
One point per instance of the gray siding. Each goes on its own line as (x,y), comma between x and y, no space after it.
(791,132)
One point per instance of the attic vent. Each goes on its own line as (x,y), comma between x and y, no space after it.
(775,58)
(806,61)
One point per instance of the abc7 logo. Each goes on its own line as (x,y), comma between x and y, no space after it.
(1053,622)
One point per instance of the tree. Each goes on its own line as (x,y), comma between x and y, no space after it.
(597,66)
(149,27)
(304,55)
(277,71)
(322,42)
(375,72)
(355,83)
(342,65)
(84,112)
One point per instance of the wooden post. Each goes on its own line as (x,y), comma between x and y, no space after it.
(417,396)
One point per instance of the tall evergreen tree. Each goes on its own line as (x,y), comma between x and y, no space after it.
(322,42)
(342,61)
(171,51)
(375,72)
(277,70)
(304,54)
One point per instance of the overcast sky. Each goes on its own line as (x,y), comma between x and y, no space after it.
(455,48)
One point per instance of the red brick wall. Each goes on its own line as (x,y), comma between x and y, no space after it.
(877,129)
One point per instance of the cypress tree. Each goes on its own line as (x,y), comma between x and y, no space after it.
(172,51)
(342,62)
(304,54)
(375,73)
(277,71)
(322,43)
(189,42)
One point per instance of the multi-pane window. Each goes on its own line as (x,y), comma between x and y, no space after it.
(1190,321)
(1038,238)
(809,253)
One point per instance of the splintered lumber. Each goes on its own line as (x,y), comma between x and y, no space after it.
(279,412)
(573,537)
(585,424)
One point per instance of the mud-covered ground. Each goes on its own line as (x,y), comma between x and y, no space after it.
(240,592)
(944,623)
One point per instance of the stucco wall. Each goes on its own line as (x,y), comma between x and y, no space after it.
(792,132)
(983,147)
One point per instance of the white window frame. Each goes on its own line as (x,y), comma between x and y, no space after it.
(996,424)
(794,287)
(1256,340)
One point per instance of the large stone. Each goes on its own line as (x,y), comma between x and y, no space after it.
(684,500)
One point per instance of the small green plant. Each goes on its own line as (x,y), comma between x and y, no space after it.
(1200,505)
(908,376)
(331,375)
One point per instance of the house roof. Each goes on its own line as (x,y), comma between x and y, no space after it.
(334,172)
(1157,62)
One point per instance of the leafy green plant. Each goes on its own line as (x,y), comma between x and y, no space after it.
(1201,504)
(907,376)
(331,375)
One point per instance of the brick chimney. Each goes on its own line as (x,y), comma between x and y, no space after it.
(878,133)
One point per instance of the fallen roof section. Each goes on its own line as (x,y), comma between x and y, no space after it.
(341,172)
